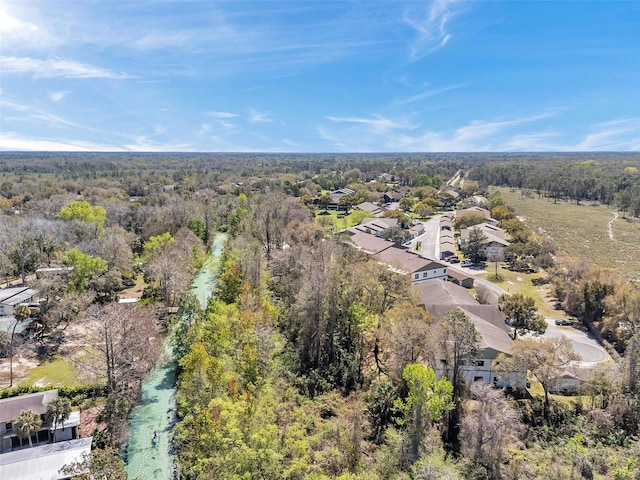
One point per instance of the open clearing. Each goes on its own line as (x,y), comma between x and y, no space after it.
(583,231)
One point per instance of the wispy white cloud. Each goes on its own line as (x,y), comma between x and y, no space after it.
(377,122)
(425,94)
(477,136)
(216,114)
(382,134)
(619,134)
(532,142)
(53,121)
(55,97)
(430,27)
(142,143)
(11,141)
(259,117)
(19,34)
(13,106)
(56,67)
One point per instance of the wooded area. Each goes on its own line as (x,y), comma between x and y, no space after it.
(312,359)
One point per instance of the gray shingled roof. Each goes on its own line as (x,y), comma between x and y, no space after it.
(371,208)
(43,463)
(439,298)
(10,408)
(15,295)
(407,261)
(368,242)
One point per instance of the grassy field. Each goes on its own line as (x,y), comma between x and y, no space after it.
(55,372)
(514,282)
(338,220)
(582,231)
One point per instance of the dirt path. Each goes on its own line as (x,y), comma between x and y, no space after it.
(610,225)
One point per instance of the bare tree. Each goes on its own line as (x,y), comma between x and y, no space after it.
(488,427)
(170,266)
(271,214)
(114,247)
(545,358)
(127,342)
(47,235)
(495,255)
(482,295)
(459,343)
(22,248)
(406,338)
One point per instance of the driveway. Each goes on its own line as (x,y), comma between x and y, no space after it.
(583,343)
(429,239)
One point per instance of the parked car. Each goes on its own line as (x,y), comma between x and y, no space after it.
(467,264)
(453,259)
(563,321)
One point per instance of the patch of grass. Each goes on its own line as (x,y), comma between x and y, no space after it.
(582,231)
(55,372)
(136,290)
(535,390)
(341,221)
(515,282)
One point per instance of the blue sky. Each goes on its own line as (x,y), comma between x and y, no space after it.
(373,76)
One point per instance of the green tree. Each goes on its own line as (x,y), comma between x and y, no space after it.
(427,400)
(83,211)
(156,245)
(469,219)
(57,412)
(101,464)
(423,209)
(473,247)
(407,203)
(396,234)
(522,314)
(324,200)
(198,227)
(497,200)
(27,424)
(85,268)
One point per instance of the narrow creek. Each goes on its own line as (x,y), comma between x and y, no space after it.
(147,459)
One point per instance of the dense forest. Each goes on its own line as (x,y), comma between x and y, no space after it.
(312,359)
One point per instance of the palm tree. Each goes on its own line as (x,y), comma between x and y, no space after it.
(58,411)
(27,424)
(20,313)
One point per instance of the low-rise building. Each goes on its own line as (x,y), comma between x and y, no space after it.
(44,462)
(10,409)
(367,242)
(495,242)
(372,208)
(14,296)
(439,298)
(408,263)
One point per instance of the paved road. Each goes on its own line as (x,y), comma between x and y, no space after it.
(429,239)
(583,343)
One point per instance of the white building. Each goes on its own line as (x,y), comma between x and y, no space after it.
(14,296)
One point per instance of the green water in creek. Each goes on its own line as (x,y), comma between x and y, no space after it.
(147,459)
